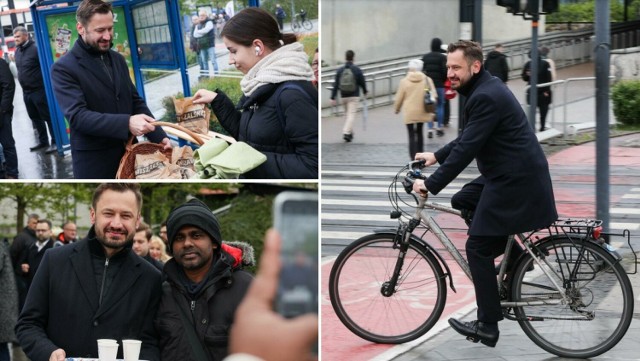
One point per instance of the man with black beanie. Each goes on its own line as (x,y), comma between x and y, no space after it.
(204,285)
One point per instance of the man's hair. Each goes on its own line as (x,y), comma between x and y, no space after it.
(147,230)
(33,216)
(48,222)
(120,188)
(67,223)
(88,8)
(349,55)
(472,51)
(498,46)
(20,29)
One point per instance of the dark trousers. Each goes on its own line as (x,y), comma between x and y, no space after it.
(8,145)
(4,351)
(481,254)
(447,112)
(544,109)
(38,110)
(281,23)
(416,139)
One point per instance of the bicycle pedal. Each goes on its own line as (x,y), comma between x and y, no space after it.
(473,339)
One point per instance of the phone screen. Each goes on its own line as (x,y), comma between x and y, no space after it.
(296,219)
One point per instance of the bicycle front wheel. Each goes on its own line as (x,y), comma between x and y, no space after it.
(358,281)
(307,24)
(295,26)
(598,306)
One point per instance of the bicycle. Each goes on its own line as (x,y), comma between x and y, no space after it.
(300,21)
(390,286)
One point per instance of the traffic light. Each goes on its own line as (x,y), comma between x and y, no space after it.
(549,6)
(513,6)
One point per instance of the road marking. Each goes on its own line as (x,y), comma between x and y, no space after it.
(358,217)
(343,235)
(374,182)
(384,174)
(631,196)
(624,211)
(326,188)
(621,226)
(350,202)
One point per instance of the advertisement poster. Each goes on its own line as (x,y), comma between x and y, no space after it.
(63,34)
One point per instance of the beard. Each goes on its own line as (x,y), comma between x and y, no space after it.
(114,238)
(102,47)
(191,258)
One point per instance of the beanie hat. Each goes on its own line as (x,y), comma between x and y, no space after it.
(193,213)
(415,64)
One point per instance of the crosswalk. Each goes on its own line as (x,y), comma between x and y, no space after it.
(355,202)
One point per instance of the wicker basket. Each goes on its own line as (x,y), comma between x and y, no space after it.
(127,167)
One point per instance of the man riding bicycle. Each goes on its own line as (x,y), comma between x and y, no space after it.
(514,193)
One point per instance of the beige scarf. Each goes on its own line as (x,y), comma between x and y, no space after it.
(286,63)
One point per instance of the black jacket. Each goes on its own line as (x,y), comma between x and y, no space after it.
(7,88)
(20,246)
(98,107)
(210,311)
(435,66)
(72,303)
(544,76)
(518,194)
(33,257)
(28,64)
(291,148)
(496,64)
(360,83)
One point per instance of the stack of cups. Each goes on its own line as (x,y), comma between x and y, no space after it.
(131,349)
(107,349)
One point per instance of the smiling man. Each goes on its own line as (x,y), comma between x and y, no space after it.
(204,285)
(95,93)
(93,289)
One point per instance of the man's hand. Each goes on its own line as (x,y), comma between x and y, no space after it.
(429,158)
(420,188)
(167,143)
(25,267)
(58,355)
(141,124)
(258,330)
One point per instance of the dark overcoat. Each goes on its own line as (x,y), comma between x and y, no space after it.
(290,143)
(63,308)
(518,194)
(98,106)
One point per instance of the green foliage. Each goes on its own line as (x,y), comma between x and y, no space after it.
(626,102)
(310,6)
(584,11)
(310,43)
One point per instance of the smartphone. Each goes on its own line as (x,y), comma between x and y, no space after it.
(295,217)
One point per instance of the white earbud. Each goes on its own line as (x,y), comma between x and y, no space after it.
(257,50)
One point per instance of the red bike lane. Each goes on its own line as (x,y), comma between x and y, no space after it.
(573,173)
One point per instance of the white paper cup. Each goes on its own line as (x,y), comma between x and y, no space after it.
(106,340)
(131,349)
(107,351)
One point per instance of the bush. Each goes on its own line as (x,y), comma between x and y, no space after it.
(626,102)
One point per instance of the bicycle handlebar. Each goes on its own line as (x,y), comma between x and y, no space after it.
(415,172)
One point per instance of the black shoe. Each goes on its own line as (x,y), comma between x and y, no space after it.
(529,269)
(430,135)
(439,133)
(347,137)
(39,146)
(477,331)
(52,149)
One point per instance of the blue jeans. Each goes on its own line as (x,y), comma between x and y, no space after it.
(4,351)
(439,108)
(206,55)
(8,145)
(199,58)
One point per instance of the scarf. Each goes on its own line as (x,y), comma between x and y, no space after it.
(286,63)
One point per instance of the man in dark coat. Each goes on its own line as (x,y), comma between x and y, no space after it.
(514,192)
(496,63)
(94,289)
(205,285)
(34,254)
(19,247)
(33,93)
(435,67)
(95,93)
(7,91)
(544,92)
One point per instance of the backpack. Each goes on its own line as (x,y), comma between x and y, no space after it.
(348,81)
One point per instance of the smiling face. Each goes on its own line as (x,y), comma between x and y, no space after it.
(193,248)
(98,32)
(240,56)
(115,218)
(459,71)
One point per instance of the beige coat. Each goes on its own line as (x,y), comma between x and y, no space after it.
(410,97)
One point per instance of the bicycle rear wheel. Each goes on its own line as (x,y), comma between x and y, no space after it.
(600,299)
(356,284)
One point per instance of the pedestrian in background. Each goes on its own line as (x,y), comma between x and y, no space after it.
(19,248)
(193,42)
(280,15)
(33,93)
(545,95)
(7,91)
(141,243)
(435,67)
(33,257)
(94,289)
(95,93)
(544,54)
(205,35)
(158,250)
(68,235)
(349,79)
(496,63)
(410,99)
(278,112)
(8,301)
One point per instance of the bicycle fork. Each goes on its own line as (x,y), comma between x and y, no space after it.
(404,234)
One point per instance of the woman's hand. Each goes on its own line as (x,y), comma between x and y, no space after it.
(204,96)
